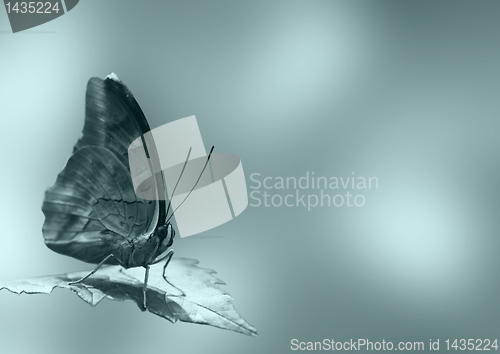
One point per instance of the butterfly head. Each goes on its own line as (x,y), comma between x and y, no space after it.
(166,234)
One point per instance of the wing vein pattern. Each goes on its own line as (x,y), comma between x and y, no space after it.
(92,207)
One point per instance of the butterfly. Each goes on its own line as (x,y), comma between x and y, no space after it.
(92,212)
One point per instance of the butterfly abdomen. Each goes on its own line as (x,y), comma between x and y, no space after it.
(144,250)
(138,251)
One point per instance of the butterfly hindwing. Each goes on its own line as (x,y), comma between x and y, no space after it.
(92,208)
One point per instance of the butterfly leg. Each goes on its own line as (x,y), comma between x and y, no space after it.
(145,287)
(169,256)
(93,271)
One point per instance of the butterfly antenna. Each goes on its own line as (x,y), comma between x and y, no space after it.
(178,180)
(192,189)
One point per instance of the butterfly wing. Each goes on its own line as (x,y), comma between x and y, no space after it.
(92,208)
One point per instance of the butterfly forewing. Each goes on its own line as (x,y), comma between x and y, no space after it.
(92,208)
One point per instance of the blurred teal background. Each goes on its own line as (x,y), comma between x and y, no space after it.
(404,91)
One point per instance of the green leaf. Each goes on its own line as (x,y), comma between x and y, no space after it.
(191,294)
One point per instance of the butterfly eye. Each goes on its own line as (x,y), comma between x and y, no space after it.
(166,234)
